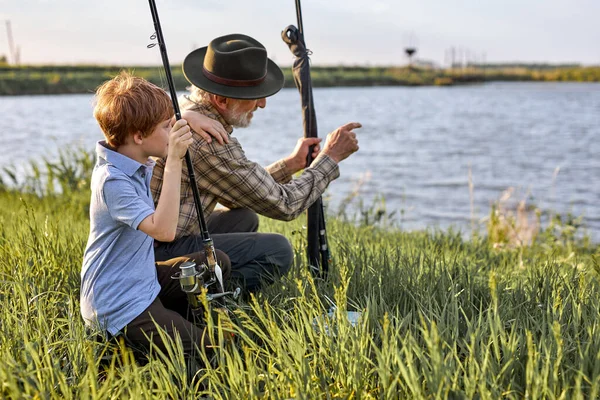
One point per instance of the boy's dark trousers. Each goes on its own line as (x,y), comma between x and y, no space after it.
(170,309)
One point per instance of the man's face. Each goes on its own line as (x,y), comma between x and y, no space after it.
(240,112)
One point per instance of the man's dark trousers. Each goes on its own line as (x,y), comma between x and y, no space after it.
(256,258)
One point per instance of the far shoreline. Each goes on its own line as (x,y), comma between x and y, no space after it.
(183,89)
(82,79)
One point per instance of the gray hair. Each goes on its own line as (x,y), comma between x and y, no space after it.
(198,95)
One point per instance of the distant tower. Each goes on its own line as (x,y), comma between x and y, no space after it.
(410,48)
(410,52)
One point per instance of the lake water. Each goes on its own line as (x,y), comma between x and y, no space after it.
(417,145)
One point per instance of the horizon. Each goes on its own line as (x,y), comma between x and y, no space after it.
(339,33)
(507,64)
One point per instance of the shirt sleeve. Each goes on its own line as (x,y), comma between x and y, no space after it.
(124,203)
(278,170)
(238,182)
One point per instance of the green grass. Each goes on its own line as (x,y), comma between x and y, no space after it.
(443,317)
(56,79)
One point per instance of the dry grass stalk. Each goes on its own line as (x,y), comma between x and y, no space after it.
(513,225)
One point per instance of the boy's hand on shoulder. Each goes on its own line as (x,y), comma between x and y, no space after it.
(180,139)
(206,127)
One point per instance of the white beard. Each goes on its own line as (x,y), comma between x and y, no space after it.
(238,120)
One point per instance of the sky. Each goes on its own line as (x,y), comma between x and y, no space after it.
(339,32)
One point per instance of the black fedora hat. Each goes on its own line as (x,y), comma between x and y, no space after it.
(234,66)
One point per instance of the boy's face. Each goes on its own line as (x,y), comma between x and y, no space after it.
(157,143)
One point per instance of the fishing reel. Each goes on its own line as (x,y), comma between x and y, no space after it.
(199,281)
(204,285)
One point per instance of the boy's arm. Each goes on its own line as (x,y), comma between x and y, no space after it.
(162,225)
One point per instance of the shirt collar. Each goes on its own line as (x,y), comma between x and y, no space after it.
(128,165)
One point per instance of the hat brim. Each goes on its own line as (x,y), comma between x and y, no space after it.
(192,70)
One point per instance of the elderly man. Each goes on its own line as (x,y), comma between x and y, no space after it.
(231,78)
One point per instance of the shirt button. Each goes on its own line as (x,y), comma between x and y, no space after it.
(143,174)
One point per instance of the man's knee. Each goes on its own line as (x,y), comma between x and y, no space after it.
(282,254)
(250,220)
(233,221)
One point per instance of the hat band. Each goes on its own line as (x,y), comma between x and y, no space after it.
(232,82)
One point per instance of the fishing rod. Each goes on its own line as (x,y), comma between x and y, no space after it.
(317,248)
(191,280)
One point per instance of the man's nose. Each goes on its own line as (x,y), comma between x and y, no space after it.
(261,102)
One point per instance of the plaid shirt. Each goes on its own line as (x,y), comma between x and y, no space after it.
(225,175)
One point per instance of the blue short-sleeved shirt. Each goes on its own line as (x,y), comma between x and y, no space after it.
(118,276)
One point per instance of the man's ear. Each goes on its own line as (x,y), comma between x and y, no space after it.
(220,102)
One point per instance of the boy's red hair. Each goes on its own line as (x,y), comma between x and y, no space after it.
(127,104)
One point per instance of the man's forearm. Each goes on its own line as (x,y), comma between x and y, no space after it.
(280,171)
(286,201)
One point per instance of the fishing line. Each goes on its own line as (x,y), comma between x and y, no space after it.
(162,75)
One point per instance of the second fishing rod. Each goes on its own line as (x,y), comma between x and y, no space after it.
(317,248)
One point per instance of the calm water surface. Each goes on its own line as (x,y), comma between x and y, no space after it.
(416,145)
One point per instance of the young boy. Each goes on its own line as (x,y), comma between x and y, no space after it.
(123,290)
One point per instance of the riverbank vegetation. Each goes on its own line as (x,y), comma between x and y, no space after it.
(442,316)
(55,79)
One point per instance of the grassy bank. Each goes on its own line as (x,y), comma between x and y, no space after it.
(442,317)
(84,79)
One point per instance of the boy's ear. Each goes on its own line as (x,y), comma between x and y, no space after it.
(137,137)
